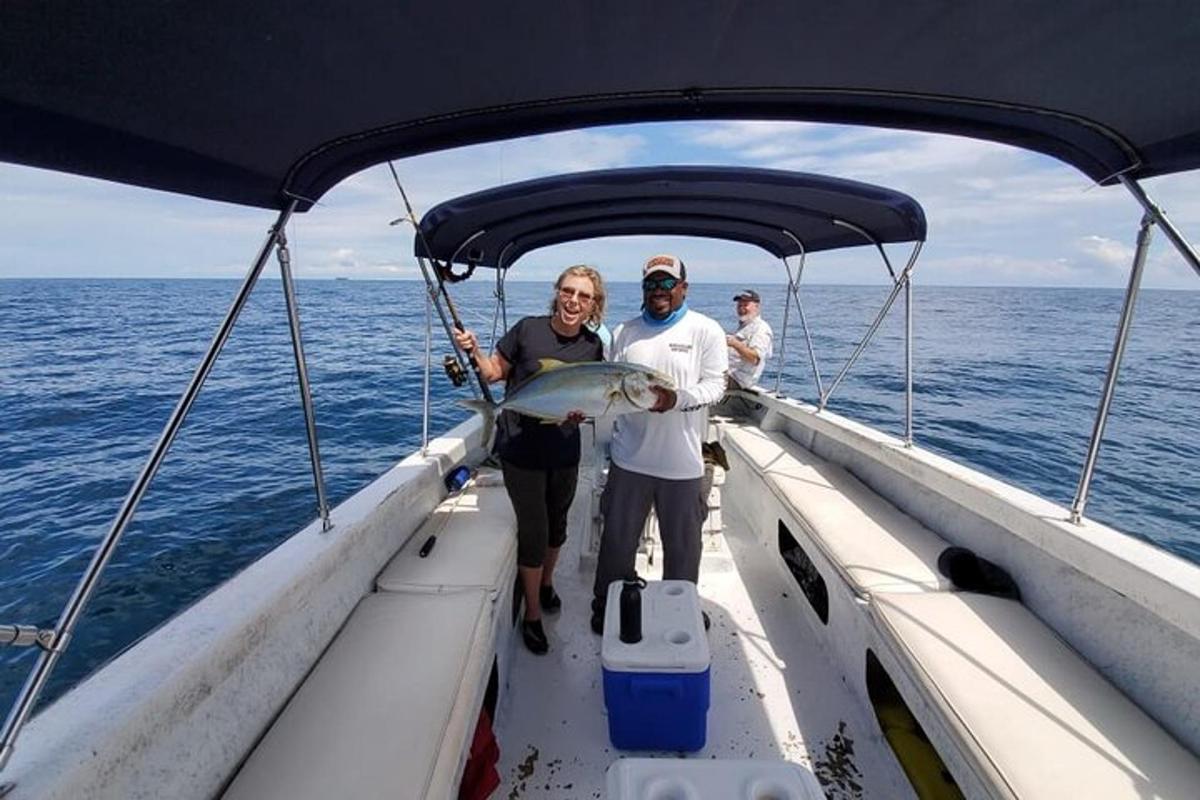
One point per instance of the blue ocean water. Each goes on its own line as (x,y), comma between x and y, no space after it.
(1007,380)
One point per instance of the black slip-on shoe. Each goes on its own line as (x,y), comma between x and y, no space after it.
(550,600)
(535,637)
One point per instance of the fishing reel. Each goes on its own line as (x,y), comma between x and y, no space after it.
(454,371)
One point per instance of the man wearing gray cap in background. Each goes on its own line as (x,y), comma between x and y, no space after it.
(656,458)
(750,344)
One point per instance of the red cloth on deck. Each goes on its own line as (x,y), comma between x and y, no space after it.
(480,777)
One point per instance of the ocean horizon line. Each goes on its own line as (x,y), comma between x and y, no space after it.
(808,284)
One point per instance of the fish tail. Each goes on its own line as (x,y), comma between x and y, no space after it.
(488,412)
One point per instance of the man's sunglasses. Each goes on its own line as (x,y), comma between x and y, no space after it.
(650,284)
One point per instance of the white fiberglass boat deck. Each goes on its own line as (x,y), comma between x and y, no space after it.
(775,693)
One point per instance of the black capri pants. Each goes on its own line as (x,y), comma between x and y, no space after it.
(541,498)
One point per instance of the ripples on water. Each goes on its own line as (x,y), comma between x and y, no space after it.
(1007,381)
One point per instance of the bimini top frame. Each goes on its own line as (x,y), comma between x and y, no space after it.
(784,213)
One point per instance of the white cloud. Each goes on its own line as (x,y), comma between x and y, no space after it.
(1106,251)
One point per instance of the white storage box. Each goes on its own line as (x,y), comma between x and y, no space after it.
(708,779)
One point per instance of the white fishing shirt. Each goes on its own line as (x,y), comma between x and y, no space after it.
(759,337)
(694,354)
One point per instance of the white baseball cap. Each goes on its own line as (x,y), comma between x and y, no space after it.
(664,263)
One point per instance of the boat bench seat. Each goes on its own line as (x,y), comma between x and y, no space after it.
(476,547)
(1035,718)
(875,546)
(389,709)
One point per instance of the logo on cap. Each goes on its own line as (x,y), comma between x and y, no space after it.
(664,263)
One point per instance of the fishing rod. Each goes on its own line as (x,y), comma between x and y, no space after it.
(453,364)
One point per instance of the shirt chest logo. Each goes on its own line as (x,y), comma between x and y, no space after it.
(680,347)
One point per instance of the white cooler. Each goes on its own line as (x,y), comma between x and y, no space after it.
(708,779)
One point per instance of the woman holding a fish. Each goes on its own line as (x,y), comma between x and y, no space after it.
(541,459)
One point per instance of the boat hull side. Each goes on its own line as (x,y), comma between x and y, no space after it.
(1131,609)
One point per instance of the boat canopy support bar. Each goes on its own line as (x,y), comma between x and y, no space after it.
(908,362)
(1114,367)
(1153,215)
(23,706)
(310,419)
(900,283)
(1156,213)
(793,291)
(500,315)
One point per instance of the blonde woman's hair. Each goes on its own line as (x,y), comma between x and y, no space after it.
(599,296)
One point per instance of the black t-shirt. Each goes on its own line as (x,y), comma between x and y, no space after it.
(527,441)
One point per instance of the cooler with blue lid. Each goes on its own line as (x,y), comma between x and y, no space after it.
(657,690)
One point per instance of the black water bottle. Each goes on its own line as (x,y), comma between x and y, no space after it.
(631,610)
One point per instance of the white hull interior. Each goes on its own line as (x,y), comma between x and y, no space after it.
(244,695)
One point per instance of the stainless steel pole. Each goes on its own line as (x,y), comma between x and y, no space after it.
(1159,216)
(1114,367)
(36,681)
(428,368)
(896,287)
(787,307)
(812,353)
(310,419)
(908,362)
(793,293)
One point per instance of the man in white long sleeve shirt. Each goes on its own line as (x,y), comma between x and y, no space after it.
(656,457)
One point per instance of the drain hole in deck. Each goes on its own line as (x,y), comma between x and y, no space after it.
(805,573)
(673,591)
(679,637)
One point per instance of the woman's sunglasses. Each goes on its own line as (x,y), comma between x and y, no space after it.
(568,294)
(650,284)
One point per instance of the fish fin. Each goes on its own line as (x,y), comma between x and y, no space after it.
(612,398)
(488,412)
(546,364)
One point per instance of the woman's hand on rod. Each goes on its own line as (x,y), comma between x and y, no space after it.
(467,340)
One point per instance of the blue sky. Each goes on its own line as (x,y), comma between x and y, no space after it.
(997,215)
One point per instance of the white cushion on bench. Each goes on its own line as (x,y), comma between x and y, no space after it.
(1043,722)
(877,547)
(388,710)
(476,546)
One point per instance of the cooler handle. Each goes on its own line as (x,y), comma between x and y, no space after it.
(643,686)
